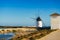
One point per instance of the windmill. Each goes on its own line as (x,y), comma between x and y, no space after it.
(39,22)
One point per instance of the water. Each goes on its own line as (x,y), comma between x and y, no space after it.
(6,36)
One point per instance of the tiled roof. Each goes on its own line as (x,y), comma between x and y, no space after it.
(55,14)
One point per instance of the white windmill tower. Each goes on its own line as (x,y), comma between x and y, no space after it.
(38,22)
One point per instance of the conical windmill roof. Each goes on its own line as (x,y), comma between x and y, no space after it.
(38,19)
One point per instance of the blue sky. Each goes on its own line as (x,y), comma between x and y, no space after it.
(20,12)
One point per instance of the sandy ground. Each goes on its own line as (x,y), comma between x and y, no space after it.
(52,36)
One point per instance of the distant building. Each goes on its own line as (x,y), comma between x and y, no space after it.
(55,21)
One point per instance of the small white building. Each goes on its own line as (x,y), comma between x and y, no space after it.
(55,21)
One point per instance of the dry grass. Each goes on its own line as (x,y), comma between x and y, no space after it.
(32,35)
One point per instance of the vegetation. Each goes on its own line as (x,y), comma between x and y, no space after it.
(14,31)
(34,35)
(3,30)
(32,38)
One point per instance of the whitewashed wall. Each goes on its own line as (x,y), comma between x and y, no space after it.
(55,22)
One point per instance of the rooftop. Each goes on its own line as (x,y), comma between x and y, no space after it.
(55,14)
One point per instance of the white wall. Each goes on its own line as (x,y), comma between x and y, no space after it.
(55,22)
(39,24)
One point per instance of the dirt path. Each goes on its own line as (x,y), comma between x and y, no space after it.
(52,36)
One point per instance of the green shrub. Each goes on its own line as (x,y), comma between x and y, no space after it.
(13,31)
(32,38)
